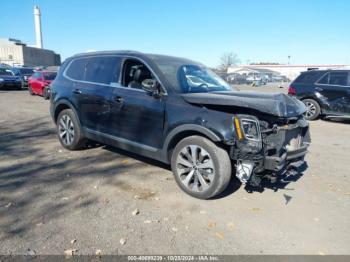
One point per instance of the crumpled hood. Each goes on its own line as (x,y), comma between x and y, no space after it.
(280,105)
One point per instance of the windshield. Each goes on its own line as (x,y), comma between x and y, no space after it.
(5,72)
(50,76)
(198,79)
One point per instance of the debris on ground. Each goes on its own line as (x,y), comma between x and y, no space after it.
(287,198)
(70,252)
(122,241)
(8,205)
(98,252)
(255,209)
(174,229)
(219,235)
(231,225)
(211,224)
(73,241)
(135,212)
(31,252)
(151,221)
(202,212)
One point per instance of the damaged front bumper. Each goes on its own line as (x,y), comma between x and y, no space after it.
(279,154)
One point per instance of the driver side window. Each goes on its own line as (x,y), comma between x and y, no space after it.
(134,73)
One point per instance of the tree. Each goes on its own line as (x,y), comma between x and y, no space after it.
(228,59)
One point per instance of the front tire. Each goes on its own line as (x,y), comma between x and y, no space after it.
(69,130)
(313,109)
(201,168)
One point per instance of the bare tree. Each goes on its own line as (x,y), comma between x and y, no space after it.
(228,59)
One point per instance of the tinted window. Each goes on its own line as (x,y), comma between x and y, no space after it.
(338,78)
(324,79)
(103,70)
(50,75)
(308,77)
(26,71)
(37,75)
(76,69)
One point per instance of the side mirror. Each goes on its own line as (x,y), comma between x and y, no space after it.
(150,86)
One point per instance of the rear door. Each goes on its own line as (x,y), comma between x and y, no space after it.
(335,92)
(92,90)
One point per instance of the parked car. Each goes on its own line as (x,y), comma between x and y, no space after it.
(39,82)
(324,92)
(9,80)
(24,73)
(148,104)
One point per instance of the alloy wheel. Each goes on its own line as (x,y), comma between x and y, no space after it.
(66,130)
(195,168)
(310,109)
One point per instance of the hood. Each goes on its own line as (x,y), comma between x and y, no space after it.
(280,105)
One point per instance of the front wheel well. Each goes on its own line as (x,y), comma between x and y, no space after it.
(178,137)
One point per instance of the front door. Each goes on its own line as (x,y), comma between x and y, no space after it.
(136,116)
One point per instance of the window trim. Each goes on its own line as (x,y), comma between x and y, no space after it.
(329,72)
(123,59)
(83,81)
(127,57)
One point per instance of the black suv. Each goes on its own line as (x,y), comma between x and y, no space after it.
(324,92)
(179,112)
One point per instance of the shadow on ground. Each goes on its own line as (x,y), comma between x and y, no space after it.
(36,173)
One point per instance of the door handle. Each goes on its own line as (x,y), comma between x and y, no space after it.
(77,91)
(118,99)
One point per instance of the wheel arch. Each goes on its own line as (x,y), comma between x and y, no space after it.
(315,99)
(183,131)
(62,105)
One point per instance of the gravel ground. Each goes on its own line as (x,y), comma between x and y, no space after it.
(52,200)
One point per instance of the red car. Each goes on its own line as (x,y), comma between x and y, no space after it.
(39,82)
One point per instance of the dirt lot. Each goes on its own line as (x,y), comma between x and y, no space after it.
(50,196)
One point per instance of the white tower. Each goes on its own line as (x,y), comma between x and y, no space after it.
(37,21)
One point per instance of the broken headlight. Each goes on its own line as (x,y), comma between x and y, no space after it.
(248,128)
(251,129)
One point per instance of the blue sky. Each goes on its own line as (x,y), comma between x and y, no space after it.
(310,31)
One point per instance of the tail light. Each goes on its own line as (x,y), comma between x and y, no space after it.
(291,91)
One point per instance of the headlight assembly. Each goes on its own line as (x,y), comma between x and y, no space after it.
(251,129)
(247,128)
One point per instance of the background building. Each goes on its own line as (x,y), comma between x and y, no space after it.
(16,53)
(289,71)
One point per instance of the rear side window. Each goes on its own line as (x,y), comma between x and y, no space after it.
(338,78)
(104,70)
(324,79)
(76,69)
(308,77)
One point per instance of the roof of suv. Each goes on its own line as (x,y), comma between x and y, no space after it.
(154,57)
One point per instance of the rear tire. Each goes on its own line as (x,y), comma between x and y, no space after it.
(201,168)
(69,130)
(313,109)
